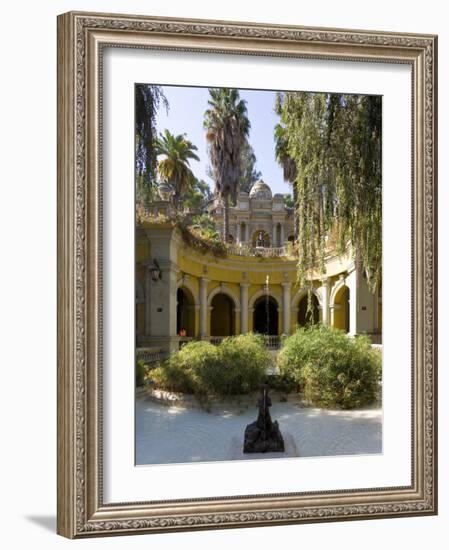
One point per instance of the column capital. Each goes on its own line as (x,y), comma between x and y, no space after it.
(286,285)
(204,280)
(245,285)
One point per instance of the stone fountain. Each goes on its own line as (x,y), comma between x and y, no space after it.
(263,435)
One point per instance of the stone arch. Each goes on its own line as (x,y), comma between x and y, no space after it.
(258,294)
(335,290)
(303,292)
(223,289)
(339,305)
(187,284)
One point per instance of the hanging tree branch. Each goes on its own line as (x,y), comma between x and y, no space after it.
(335,142)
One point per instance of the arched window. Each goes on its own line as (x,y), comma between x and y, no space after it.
(261,239)
(341,309)
(222,316)
(185,313)
(265,316)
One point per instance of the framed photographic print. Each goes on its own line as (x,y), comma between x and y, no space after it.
(246,274)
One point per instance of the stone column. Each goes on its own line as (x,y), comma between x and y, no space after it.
(203,307)
(239,232)
(332,315)
(246,231)
(376,310)
(163,301)
(325,295)
(172,276)
(244,307)
(351,282)
(286,307)
(163,307)
(147,302)
(282,235)
(274,239)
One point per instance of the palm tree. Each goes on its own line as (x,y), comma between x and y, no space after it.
(174,168)
(148,100)
(288,166)
(227,128)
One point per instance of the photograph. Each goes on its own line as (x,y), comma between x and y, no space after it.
(258,274)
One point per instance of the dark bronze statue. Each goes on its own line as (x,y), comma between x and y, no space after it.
(263,435)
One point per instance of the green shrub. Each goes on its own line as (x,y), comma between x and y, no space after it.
(245,361)
(281,384)
(197,363)
(141,371)
(238,365)
(171,377)
(330,369)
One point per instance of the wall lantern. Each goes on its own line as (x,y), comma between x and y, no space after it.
(155,271)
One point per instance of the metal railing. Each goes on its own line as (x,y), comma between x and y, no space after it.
(150,355)
(183,340)
(216,340)
(259,251)
(272,342)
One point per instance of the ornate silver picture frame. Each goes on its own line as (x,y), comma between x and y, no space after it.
(82,508)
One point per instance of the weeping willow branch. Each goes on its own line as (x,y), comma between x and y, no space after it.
(335,142)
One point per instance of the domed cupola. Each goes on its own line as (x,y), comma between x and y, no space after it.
(260,191)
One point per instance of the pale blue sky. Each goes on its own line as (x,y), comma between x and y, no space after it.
(186,115)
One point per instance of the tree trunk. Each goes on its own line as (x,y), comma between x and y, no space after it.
(226,218)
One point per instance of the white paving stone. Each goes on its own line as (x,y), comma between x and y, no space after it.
(173,434)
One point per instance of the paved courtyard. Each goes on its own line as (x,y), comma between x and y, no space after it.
(173,434)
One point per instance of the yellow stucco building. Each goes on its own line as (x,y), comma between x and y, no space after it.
(182,290)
